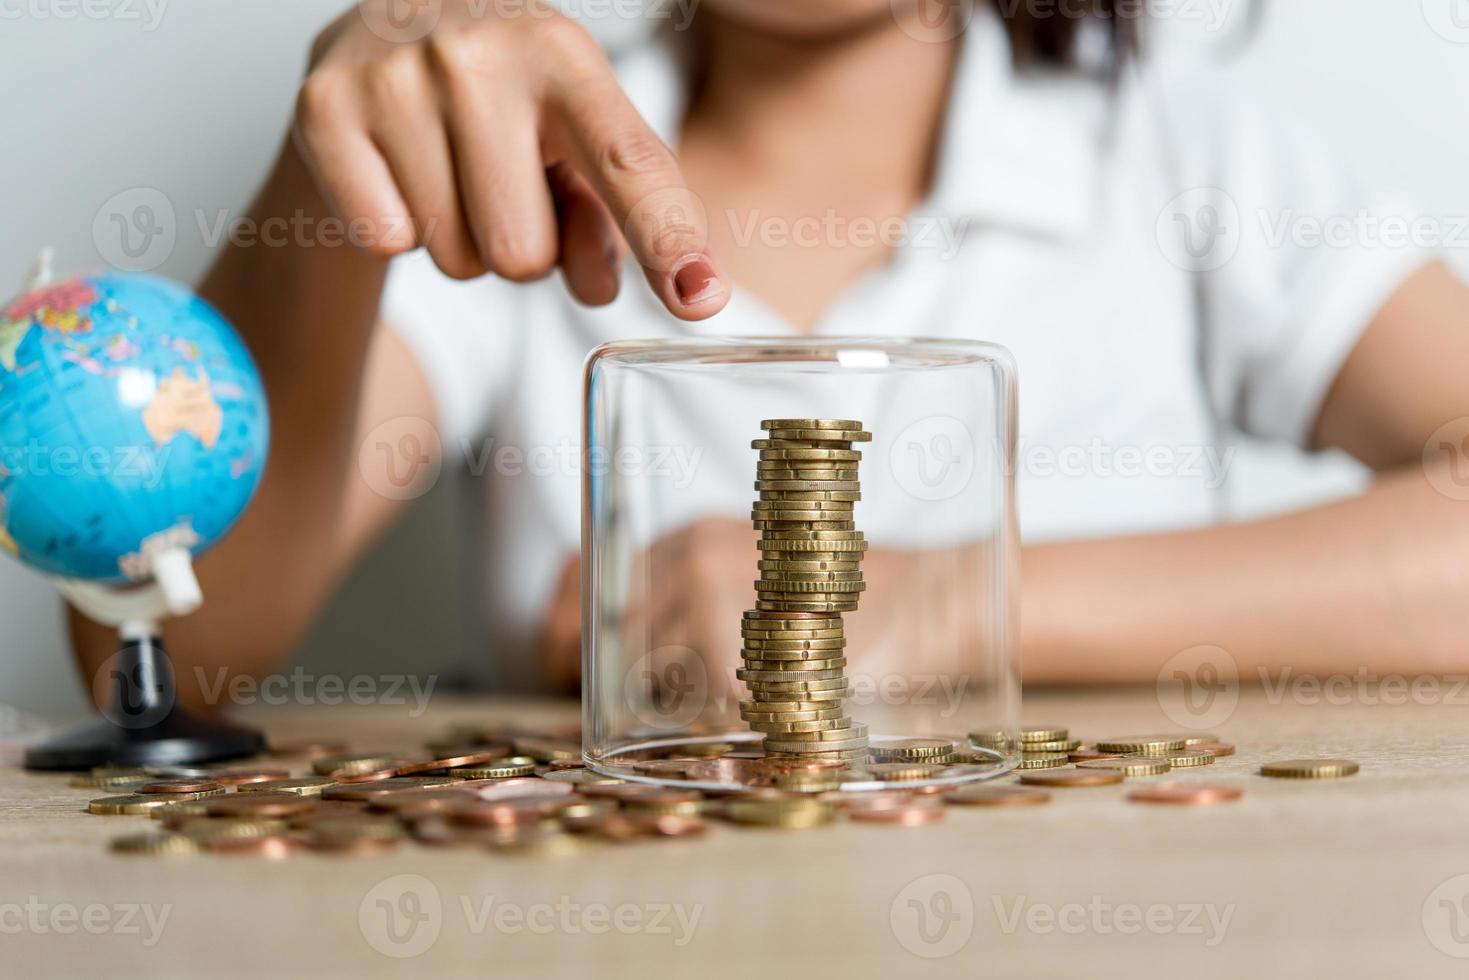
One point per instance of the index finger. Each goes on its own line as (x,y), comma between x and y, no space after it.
(638,177)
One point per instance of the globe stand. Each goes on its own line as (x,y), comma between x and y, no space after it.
(142,723)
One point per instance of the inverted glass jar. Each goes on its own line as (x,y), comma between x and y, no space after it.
(670,554)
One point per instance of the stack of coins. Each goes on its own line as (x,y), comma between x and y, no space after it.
(810,573)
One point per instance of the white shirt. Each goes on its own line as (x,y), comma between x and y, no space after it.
(1123,243)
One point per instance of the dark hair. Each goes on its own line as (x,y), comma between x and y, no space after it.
(1045,31)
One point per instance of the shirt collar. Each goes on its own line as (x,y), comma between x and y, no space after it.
(1019,151)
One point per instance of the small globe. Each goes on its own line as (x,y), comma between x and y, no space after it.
(132,420)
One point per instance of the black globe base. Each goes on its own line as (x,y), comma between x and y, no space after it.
(142,724)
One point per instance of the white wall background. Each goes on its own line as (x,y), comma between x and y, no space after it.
(191,97)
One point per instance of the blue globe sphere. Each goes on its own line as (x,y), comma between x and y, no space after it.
(132,420)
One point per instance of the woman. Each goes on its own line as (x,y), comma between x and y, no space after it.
(1034,192)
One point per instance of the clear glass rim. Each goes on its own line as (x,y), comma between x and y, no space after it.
(662,350)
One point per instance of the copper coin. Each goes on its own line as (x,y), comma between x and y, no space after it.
(913,814)
(180,786)
(776,615)
(446,762)
(435,831)
(744,754)
(1087,753)
(738,772)
(1219,749)
(1071,777)
(346,776)
(624,792)
(257,805)
(1186,794)
(617,826)
(244,777)
(997,796)
(270,848)
(559,764)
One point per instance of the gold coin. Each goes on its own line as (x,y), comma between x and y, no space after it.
(781,470)
(818,541)
(822,524)
(1060,745)
(904,772)
(154,845)
(1044,760)
(794,813)
(815,454)
(769,444)
(806,604)
(766,510)
(1189,759)
(768,424)
(808,567)
(1310,769)
(787,676)
(821,435)
(504,769)
(179,810)
(913,750)
(779,578)
(808,486)
(1142,744)
(1042,733)
(765,637)
(136,803)
(305,786)
(992,739)
(819,588)
(1129,765)
(798,727)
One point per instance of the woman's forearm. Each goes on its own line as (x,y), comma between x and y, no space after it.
(306,305)
(1380,581)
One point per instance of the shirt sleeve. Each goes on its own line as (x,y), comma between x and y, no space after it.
(462,336)
(1294,261)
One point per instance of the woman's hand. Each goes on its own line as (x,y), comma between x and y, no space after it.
(501,143)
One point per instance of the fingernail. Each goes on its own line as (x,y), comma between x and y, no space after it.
(695,281)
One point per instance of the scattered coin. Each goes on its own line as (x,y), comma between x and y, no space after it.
(1186,794)
(1310,769)
(1142,744)
(996,796)
(1189,758)
(1071,777)
(154,844)
(1129,765)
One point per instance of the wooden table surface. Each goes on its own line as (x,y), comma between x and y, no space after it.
(1359,877)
